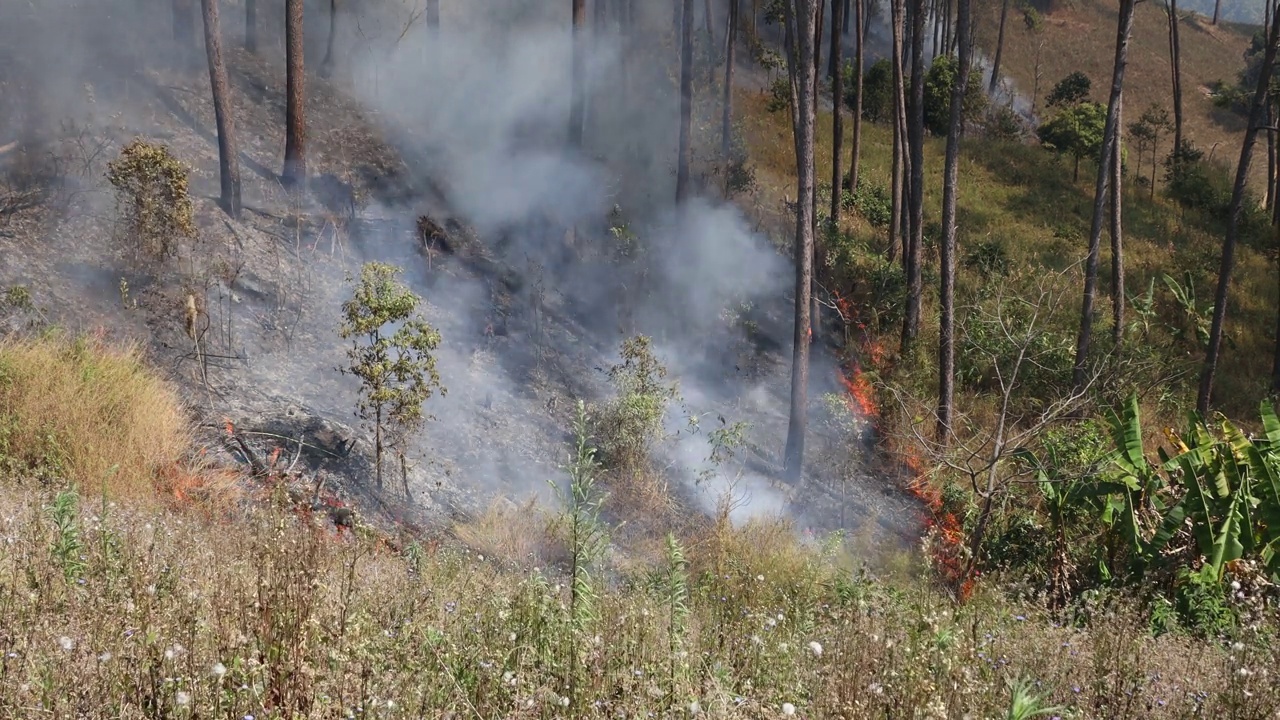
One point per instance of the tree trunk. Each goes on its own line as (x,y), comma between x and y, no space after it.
(1117,232)
(915,202)
(817,38)
(837,30)
(1271,161)
(897,229)
(1175,63)
(251,25)
(433,14)
(578,99)
(995,63)
(801,19)
(686,102)
(730,50)
(1110,136)
(837,121)
(1233,224)
(326,65)
(707,15)
(846,14)
(184,31)
(856,152)
(1217,10)
(228,158)
(295,144)
(377,447)
(950,191)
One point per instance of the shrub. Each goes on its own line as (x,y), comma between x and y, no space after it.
(874,203)
(988,257)
(83,412)
(1005,124)
(937,95)
(152,199)
(877,92)
(632,422)
(779,94)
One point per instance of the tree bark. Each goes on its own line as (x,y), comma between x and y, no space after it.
(1175,63)
(1117,232)
(950,192)
(897,228)
(731,41)
(856,152)
(433,14)
(837,121)
(1217,10)
(326,65)
(801,21)
(915,202)
(995,62)
(686,102)
(578,99)
(1110,136)
(184,31)
(228,158)
(251,25)
(1233,225)
(295,144)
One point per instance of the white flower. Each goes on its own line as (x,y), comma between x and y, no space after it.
(218,670)
(770,622)
(759,578)
(788,709)
(1245,672)
(694,708)
(104,657)
(66,643)
(184,698)
(816,647)
(1235,584)
(876,688)
(1238,646)
(564,701)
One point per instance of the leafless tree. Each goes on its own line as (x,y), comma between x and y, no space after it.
(1175,65)
(1236,209)
(897,224)
(837,100)
(950,192)
(1117,232)
(915,193)
(228,157)
(433,14)
(295,144)
(995,62)
(326,65)
(686,102)
(731,40)
(859,38)
(251,25)
(578,100)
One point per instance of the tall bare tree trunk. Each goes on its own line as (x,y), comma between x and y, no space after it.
(433,14)
(950,193)
(897,228)
(1175,63)
(326,65)
(837,122)
(578,93)
(817,38)
(730,51)
(1217,10)
(915,202)
(686,102)
(837,30)
(228,158)
(184,31)
(995,62)
(1110,136)
(1233,225)
(856,152)
(251,25)
(295,144)
(1117,231)
(802,22)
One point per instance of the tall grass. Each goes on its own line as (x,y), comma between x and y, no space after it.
(82,411)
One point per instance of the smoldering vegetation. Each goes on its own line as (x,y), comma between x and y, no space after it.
(554,253)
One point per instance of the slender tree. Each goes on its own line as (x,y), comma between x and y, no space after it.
(730,42)
(1117,232)
(897,226)
(1175,64)
(1217,11)
(856,152)
(686,102)
(251,25)
(295,144)
(837,123)
(326,65)
(184,30)
(1110,136)
(433,14)
(995,62)
(915,193)
(578,99)
(228,158)
(950,192)
(1236,209)
(801,31)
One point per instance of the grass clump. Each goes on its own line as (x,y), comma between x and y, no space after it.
(87,413)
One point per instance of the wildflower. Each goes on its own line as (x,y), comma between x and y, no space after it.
(788,709)
(1235,585)
(694,708)
(104,657)
(183,698)
(770,622)
(876,688)
(1237,646)
(564,701)
(1020,618)
(759,578)
(1245,672)
(218,669)
(816,647)
(249,717)
(66,643)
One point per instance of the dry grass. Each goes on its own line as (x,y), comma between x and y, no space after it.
(519,535)
(89,413)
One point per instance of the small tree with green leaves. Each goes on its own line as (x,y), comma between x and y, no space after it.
(391,354)
(632,422)
(1076,131)
(1070,90)
(1146,132)
(152,199)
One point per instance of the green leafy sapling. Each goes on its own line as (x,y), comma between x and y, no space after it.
(391,353)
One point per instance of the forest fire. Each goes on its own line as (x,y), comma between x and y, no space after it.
(946,533)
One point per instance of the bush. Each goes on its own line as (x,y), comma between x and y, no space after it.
(152,199)
(874,203)
(877,92)
(83,412)
(632,422)
(779,94)
(1005,124)
(937,95)
(988,257)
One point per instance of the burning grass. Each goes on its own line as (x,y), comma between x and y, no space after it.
(92,414)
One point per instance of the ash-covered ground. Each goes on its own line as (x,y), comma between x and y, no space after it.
(533,286)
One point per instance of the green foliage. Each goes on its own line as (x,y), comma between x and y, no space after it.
(67,545)
(988,257)
(1076,130)
(1025,703)
(1202,606)
(779,94)
(937,95)
(873,203)
(391,354)
(877,92)
(152,199)
(1070,90)
(632,422)
(1005,124)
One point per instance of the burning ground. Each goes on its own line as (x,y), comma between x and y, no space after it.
(531,274)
